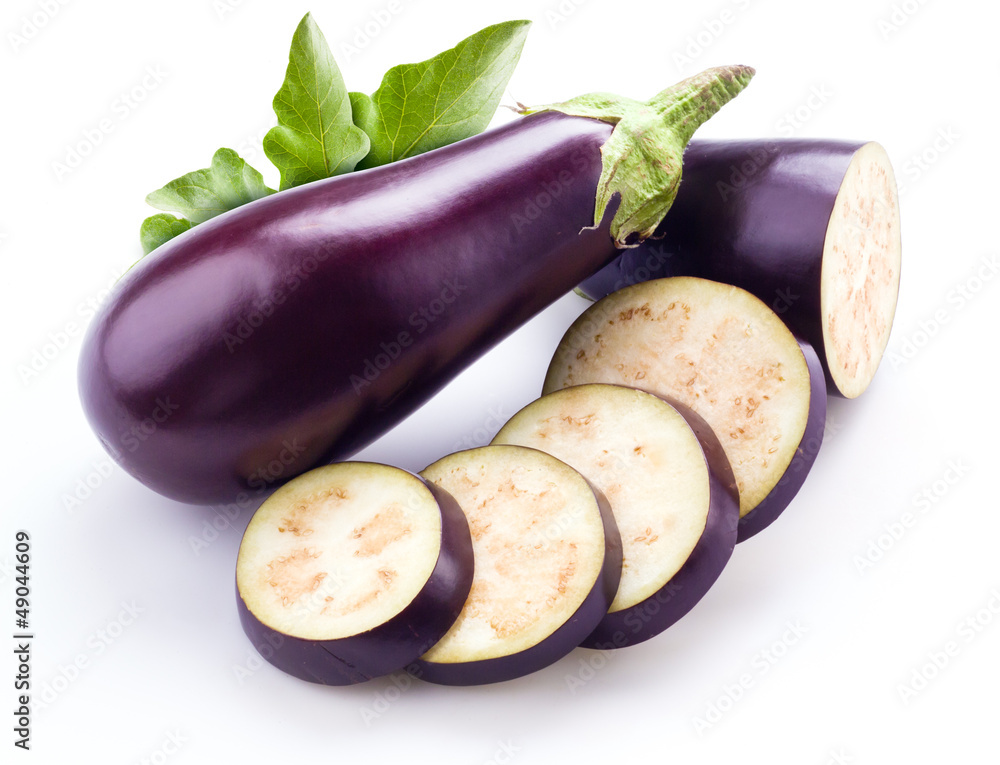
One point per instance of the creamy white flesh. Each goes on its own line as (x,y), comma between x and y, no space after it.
(717,349)
(538,544)
(339,550)
(859,283)
(643,455)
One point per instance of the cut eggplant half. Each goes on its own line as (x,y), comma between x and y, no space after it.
(352,571)
(811,227)
(720,351)
(548,564)
(671,490)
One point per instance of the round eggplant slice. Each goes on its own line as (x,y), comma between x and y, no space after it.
(811,227)
(548,564)
(352,571)
(670,488)
(720,351)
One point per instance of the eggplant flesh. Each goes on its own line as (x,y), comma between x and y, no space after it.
(720,351)
(670,488)
(247,350)
(811,227)
(352,571)
(548,562)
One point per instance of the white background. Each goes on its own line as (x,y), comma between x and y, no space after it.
(166,684)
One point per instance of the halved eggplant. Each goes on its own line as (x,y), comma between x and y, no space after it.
(809,226)
(671,490)
(720,351)
(548,564)
(352,571)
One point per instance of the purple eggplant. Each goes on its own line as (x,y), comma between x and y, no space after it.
(352,571)
(721,352)
(295,330)
(811,227)
(548,562)
(670,487)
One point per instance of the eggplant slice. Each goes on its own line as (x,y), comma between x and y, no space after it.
(811,227)
(720,351)
(547,564)
(671,490)
(352,571)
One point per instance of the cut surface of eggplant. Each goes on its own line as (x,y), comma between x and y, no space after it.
(810,226)
(547,564)
(714,348)
(677,514)
(859,282)
(354,569)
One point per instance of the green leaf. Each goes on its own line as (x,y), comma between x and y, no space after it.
(160,228)
(419,107)
(315,137)
(228,183)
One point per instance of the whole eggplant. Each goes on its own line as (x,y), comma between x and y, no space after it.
(295,330)
(809,226)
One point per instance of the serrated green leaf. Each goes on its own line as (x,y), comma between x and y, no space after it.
(160,228)
(228,183)
(419,107)
(315,137)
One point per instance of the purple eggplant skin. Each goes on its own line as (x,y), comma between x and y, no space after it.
(557,645)
(706,562)
(753,214)
(247,350)
(394,644)
(765,513)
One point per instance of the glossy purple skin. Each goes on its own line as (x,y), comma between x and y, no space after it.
(764,514)
(709,557)
(753,214)
(394,644)
(295,330)
(557,645)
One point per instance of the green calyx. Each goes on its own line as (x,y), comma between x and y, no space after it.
(641,161)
